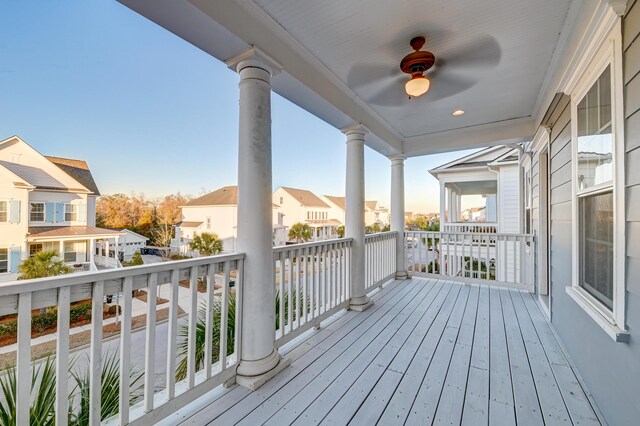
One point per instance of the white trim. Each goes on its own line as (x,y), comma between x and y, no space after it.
(592,309)
(608,54)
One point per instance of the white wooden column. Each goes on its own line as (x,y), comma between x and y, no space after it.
(259,357)
(397,212)
(355,215)
(115,251)
(443,207)
(92,251)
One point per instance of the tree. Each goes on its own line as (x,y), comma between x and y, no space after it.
(206,244)
(300,232)
(340,231)
(42,264)
(136,260)
(372,229)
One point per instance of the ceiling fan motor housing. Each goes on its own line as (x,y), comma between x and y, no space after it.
(418,61)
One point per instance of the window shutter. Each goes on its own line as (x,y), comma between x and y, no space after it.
(59,212)
(49,212)
(14,211)
(14,259)
(82,213)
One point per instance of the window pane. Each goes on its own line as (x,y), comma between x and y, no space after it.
(596,246)
(4,263)
(3,211)
(595,142)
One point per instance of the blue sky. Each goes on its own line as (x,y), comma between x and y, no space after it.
(153,114)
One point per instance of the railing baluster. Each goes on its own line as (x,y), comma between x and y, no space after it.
(238,317)
(313,286)
(23,359)
(125,349)
(150,343)
(192,331)
(173,330)
(62,356)
(208,320)
(95,360)
(281,294)
(290,290)
(299,295)
(224,311)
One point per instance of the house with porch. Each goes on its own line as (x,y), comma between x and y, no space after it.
(47,203)
(361,336)
(303,206)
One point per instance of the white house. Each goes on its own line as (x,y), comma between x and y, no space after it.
(217,212)
(128,244)
(303,206)
(47,203)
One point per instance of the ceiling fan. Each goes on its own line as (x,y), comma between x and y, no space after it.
(453,71)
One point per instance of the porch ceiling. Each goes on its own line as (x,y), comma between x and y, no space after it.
(477,187)
(340,60)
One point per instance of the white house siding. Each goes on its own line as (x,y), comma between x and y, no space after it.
(609,369)
(12,234)
(223,222)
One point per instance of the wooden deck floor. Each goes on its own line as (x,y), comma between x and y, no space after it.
(427,352)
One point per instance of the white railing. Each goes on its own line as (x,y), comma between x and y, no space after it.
(505,259)
(157,399)
(312,283)
(380,258)
(471,227)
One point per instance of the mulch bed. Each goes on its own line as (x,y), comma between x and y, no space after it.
(142,295)
(84,338)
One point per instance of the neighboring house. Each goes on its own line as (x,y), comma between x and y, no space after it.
(337,205)
(217,212)
(47,203)
(492,173)
(128,244)
(374,213)
(303,206)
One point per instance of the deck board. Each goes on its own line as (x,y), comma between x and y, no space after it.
(426,352)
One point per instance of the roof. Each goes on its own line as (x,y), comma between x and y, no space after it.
(189,224)
(225,196)
(371,205)
(338,201)
(482,158)
(321,223)
(77,169)
(128,231)
(306,197)
(69,231)
(35,176)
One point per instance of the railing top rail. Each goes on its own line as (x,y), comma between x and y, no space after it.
(471,223)
(489,234)
(79,278)
(280,249)
(381,234)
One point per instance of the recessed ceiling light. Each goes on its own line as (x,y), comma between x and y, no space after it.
(457,112)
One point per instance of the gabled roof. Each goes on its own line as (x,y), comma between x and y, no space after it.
(371,205)
(225,196)
(341,202)
(189,224)
(77,169)
(305,197)
(69,231)
(484,157)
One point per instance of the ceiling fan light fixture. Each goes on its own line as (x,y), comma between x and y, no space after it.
(457,112)
(418,85)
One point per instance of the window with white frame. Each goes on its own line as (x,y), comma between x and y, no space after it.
(70,254)
(594,153)
(4,211)
(37,212)
(208,222)
(4,260)
(70,212)
(598,197)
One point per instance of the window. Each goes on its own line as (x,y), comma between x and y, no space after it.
(594,154)
(4,211)
(15,158)
(598,249)
(4,260)
(208,221)
(37,212)
(47,246)
(70,251)
(34,248)
(281,200)
(70,212)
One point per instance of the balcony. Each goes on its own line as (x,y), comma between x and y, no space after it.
(437,346)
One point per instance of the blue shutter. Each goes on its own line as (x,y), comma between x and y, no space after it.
(49,212)
(59,212)
(14,259)
(82,213)
(14,211)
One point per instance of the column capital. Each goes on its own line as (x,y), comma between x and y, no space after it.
(254,58)
(397,159)
(355,130)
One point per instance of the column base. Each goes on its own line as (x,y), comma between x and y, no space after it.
(402,275)
(253,382)
(359,304)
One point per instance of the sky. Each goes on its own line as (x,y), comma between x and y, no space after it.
(153,114)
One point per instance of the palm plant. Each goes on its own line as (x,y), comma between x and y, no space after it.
(183,333)
(42,264)
(207,244)
(109,394)
(300,232)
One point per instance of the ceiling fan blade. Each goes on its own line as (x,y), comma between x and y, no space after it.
(361,75)
(392,94)
(444,85)
(483,52)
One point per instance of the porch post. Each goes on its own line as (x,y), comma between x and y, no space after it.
(355,215)
(443,194)
(115,251)
(107,250)
(260,360)
(397,212)
(92,251)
